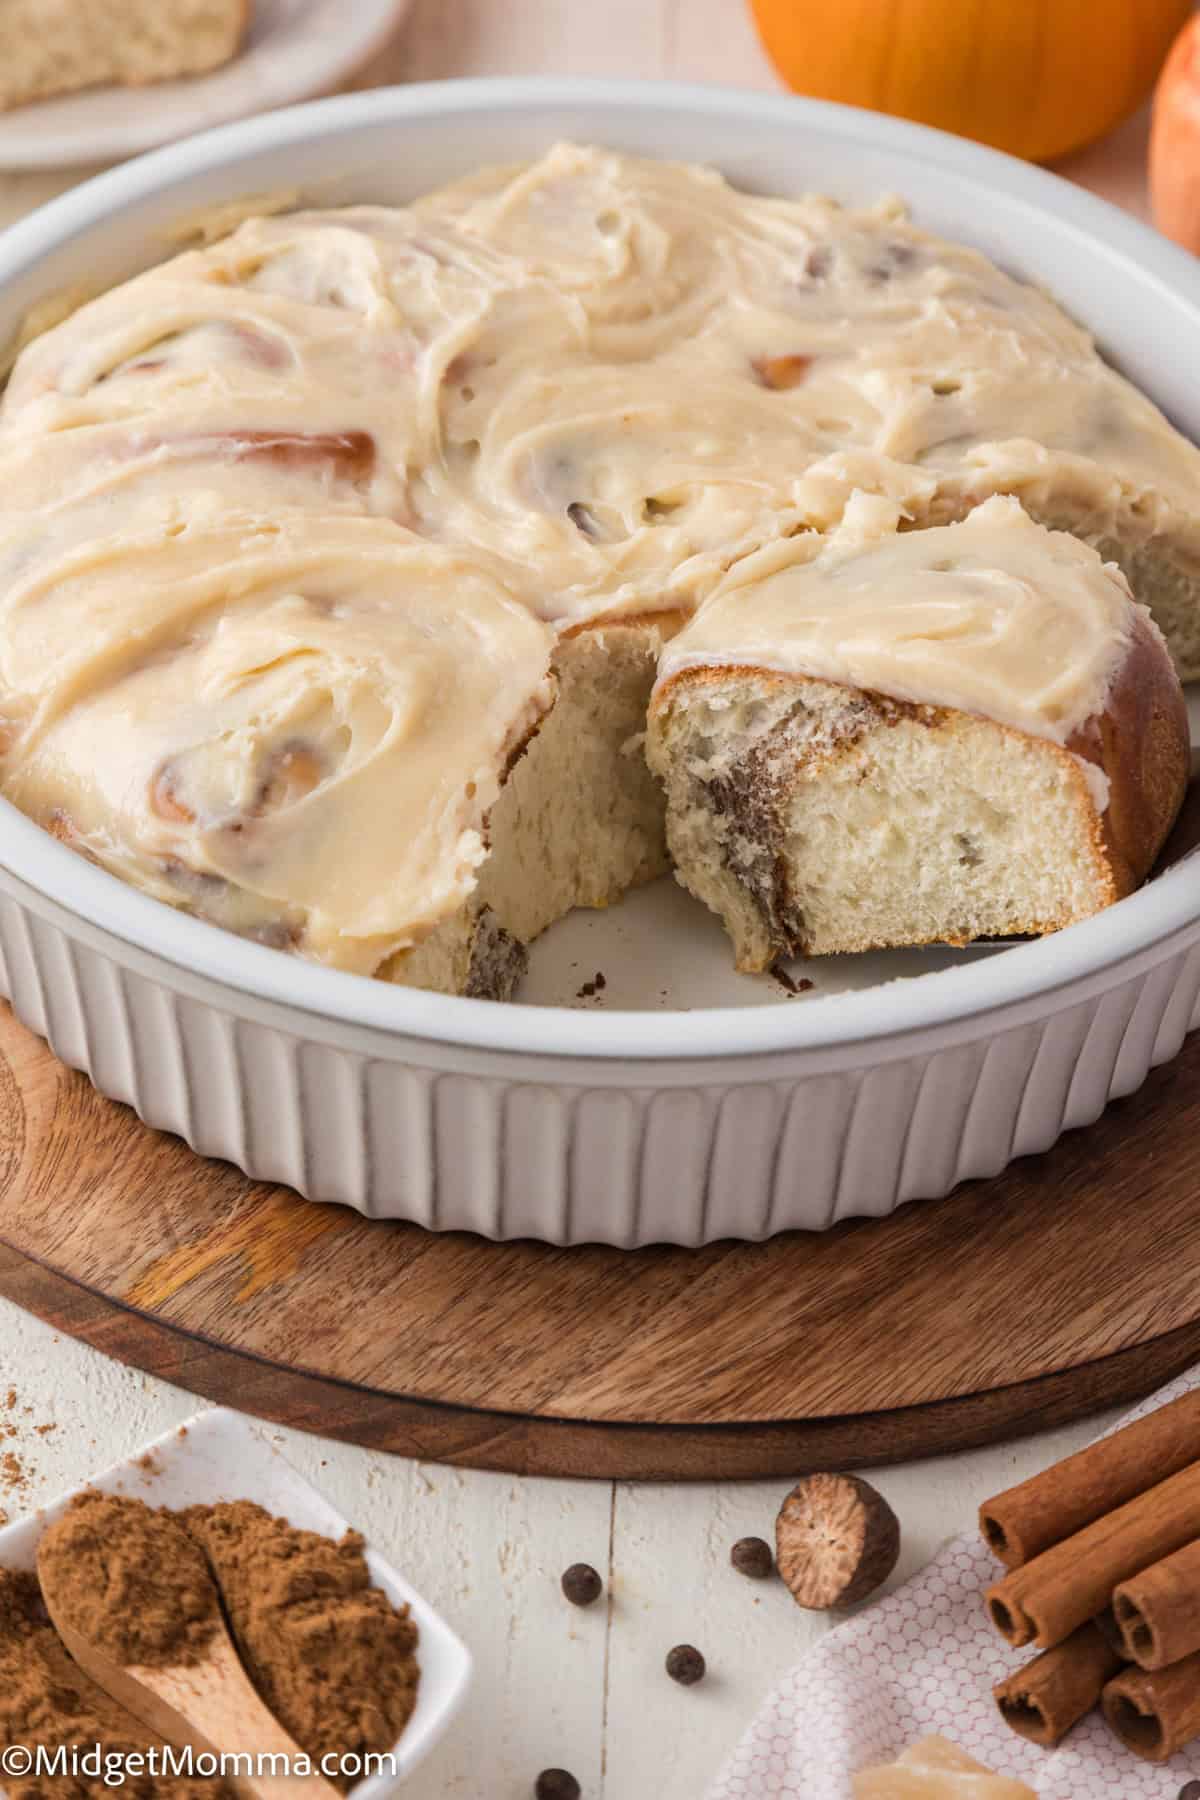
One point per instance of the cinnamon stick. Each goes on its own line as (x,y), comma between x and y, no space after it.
(1155,1712)
(1027,1519)
(1158,1610)
(1045,1600)
(1053,1692)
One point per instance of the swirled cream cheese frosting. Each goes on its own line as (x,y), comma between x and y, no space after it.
(296,726)
(995,616)
(299,530)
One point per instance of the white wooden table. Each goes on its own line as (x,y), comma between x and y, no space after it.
(554,1685)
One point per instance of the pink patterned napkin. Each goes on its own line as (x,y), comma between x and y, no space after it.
(925,1660)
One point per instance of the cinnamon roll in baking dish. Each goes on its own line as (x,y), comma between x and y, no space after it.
(339,559)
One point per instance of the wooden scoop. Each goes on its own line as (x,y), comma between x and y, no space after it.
(209,1706)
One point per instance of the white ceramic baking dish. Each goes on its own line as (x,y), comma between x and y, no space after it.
(683,1102)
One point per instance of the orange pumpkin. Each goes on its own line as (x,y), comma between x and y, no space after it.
(1036,77)
(1175,142)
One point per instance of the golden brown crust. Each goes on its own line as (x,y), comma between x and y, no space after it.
(1142,743)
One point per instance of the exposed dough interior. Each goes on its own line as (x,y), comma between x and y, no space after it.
(580,811)
(896,828)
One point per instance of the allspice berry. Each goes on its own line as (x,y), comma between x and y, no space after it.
(581,1584)
(836,1540)
(752,1556)
(556,1784)
(686,1665)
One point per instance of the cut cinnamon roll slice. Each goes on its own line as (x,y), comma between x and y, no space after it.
(909,738)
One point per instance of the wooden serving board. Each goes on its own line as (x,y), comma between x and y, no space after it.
(1068,1283)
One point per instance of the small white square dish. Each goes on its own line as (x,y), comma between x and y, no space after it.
(218,1455)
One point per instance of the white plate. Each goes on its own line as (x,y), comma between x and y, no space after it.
(294,49)
(218,1455)
(689,1110)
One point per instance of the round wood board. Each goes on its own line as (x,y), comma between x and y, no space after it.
(1070,1282)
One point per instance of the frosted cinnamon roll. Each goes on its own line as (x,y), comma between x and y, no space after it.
(294,729)
(878,738)
(336,556)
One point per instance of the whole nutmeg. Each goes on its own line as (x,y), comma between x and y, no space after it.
(752,1556)
(686,1665)
(556,1784)
(836,1540)
(581,1584)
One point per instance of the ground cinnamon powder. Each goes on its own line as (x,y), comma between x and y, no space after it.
(46,1699)
(330,1655)
(131,1580)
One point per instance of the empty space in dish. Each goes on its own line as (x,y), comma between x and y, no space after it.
(660,949)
